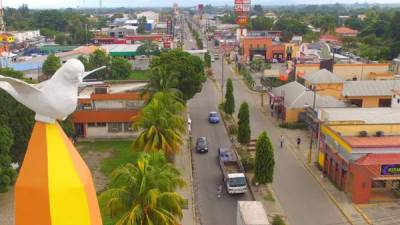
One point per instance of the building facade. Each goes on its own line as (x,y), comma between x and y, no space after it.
(107,110)
(359,151)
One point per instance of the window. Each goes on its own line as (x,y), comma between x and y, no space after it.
(101,124)
(378,184)
(91,125)
(385,102)
(128,127)
(114,127)
(356,102)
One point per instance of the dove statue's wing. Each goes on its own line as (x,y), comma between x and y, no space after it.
(19,86)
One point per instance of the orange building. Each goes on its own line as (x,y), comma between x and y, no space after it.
(261,46)
(106,110)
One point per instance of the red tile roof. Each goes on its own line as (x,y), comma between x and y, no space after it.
(373,142)
(379,159)
(345,30)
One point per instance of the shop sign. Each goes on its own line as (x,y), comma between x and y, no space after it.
(393,169)
(242,20)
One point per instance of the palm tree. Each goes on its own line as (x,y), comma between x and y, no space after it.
(142,193)
(162,80)
(161,126)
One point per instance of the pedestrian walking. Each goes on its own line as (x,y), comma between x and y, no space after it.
(219,191)
(281,141)
(298,141)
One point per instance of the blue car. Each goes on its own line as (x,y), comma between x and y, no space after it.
(213,117)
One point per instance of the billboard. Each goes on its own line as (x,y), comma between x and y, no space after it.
(242,6)
(242,20)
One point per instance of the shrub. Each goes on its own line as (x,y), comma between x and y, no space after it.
(295,125)
(264,162)
(277,220)
(244,132)
(247,162)
(232,129)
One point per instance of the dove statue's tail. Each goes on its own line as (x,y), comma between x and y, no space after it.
(54,186)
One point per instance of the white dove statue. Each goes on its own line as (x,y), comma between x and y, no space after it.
(53,99)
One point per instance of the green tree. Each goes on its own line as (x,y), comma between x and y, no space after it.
(142,193)
(257,64)
(51,65)
(97,59)
(258,10)
(7,174)
(244,132)
(261,23)
(264,162)
(161,128)
(148,48)
(355,23)
(84,60)
(120,68)
(187,70)
(290,26)
(229,106)
(141,25)
(277,220)
(207,60)
(60,39)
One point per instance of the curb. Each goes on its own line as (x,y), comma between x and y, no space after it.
(363,215)
(195,219)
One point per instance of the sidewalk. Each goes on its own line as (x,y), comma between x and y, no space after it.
(339,198)
(183,162)
(7,208)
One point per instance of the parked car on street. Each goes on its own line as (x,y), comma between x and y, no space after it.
(213,117)
(201,145)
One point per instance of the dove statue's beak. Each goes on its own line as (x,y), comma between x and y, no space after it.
(85,74)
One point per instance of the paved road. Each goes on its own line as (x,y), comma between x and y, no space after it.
(207,173)
(302,199)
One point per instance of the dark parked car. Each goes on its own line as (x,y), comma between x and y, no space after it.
(201,144)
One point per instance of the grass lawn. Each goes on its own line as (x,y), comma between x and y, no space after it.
(139,75)
(122,153)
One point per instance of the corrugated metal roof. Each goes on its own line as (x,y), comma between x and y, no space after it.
(298,96)
(323,76)
(370,87)
(367,115)
(373,142)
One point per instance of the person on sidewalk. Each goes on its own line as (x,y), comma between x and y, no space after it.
(219,191)
(298,141)
(281,141)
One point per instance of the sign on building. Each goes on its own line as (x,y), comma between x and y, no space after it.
(393,169)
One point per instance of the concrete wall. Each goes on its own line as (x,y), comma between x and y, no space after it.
(370,101)
(102,132)
(292,115)
(347,71)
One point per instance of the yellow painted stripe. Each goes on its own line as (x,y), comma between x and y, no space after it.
(68,202)
(325,130)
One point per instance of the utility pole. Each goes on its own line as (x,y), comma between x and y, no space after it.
(312,128)
(222,77)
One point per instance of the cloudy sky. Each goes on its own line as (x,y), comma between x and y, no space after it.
(141,3)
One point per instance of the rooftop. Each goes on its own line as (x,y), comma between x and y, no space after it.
(370,87)
(373,142)
(379,159)
(345,30)
(120,47)
(298,96)
(323,76)
(365,115)
(113,88)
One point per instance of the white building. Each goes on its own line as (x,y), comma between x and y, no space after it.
(26,35)
(150,15)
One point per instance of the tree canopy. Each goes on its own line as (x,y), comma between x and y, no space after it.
(187,70)
(244,131)
(264,162)
(229,105)
(51,65)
